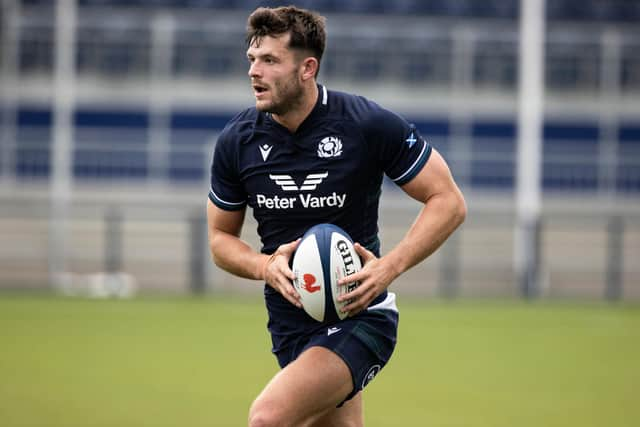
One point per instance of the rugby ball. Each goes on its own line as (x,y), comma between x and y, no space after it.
(324,255)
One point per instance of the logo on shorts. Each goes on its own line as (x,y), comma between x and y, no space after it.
(330,146)
(332,331)
(371,374)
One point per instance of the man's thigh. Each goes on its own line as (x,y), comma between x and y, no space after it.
(308,390)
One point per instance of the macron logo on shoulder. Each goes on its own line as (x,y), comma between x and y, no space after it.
(265,150)
(310,183)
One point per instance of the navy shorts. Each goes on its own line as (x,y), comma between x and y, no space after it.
(365,342)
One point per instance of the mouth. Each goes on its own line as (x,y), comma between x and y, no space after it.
(259,90)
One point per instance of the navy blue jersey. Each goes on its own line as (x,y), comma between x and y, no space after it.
(329,171)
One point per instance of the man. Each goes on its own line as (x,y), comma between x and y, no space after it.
(307,155)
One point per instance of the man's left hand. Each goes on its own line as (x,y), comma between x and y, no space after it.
(374,277)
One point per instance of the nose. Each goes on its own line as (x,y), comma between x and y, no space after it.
(254,70)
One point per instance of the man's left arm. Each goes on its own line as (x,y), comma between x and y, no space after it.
(443,211)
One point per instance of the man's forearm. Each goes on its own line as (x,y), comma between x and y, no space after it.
(235,256)
(439,217)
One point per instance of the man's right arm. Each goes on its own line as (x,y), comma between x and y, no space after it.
(232,254)
(228,251)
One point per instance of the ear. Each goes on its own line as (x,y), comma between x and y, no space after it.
(309,67)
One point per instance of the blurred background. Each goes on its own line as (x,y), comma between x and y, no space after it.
(111,108)
(110,111)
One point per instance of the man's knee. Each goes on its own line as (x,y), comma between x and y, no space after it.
(262,419)
(265,414)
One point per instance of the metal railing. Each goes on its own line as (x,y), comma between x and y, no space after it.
(159,241)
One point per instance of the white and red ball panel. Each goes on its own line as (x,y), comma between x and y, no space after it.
(324,256)
(309,281)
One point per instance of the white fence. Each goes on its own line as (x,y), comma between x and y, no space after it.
(587,250)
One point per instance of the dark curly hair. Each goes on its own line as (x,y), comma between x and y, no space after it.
(307,28)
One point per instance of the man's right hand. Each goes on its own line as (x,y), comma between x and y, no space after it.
(278,275)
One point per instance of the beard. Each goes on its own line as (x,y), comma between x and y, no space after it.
(286,95)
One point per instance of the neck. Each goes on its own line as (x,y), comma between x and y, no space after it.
(293,118)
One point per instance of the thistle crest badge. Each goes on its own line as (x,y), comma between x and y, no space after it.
(330,146)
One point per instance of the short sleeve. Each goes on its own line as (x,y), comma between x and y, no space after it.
(226,190)
(402,151)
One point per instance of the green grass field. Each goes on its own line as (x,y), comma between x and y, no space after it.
(200,362)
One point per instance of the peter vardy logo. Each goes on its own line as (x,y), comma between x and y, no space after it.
(311,182)
(330,146)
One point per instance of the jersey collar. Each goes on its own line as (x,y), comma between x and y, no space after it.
(319,109)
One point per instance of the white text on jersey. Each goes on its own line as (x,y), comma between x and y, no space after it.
(306,200)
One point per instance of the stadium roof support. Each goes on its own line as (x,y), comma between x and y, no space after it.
(62,149)
(10,22)
(529,163)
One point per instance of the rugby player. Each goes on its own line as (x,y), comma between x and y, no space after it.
(305,155)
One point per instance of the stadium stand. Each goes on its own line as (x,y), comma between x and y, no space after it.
(451,44)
